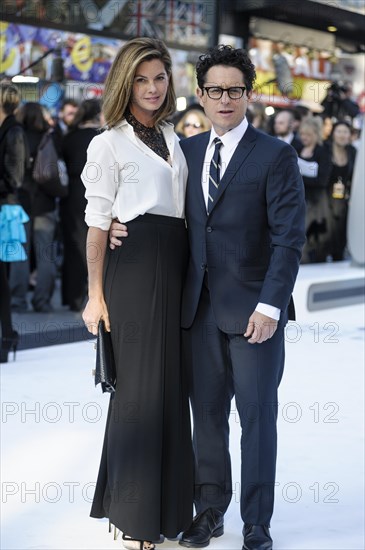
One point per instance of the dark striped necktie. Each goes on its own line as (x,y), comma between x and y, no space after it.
(214,174)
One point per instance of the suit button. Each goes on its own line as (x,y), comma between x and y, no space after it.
(209,229)
(203,266)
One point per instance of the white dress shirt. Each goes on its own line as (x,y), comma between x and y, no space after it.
(230,141)
(124,178)
(288,138)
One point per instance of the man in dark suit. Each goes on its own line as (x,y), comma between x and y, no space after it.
(245,213)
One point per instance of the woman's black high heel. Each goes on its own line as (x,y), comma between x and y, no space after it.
(8,343)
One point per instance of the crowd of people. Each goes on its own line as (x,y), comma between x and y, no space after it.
(326,157)
(326,148)
(54,229)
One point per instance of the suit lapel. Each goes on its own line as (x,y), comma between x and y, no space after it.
(242,151)
(196,161)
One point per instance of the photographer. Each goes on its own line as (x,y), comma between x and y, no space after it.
(338,102)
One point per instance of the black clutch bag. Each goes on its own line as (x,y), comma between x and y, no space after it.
(105,371)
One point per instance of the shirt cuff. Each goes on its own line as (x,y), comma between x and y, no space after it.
(270,311)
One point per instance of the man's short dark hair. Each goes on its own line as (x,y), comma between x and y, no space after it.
(230,57)
(69,101)
(289,111)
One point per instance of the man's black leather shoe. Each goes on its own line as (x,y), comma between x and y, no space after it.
(256,537)
(205,525)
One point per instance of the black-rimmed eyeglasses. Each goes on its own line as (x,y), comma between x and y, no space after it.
(216,92)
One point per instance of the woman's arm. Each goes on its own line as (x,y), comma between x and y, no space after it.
(319,178)
(96,307)
(101,190)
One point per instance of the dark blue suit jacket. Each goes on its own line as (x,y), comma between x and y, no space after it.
(251,241)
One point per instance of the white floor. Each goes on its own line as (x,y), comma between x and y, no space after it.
(53,422)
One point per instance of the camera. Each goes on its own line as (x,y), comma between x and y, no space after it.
(335,90)
(337,103)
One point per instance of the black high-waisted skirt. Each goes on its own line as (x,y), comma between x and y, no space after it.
(145,481)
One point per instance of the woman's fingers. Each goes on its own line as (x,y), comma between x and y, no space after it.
(94,311)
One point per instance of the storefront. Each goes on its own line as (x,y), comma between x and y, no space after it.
(296,55)
(300,47)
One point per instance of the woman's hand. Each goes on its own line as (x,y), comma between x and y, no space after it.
(94,311)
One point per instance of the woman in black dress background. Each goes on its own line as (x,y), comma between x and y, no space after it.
(74,229)
(342,166)
(136,172)
(314,165)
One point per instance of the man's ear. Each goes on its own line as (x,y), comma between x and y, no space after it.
(199,94)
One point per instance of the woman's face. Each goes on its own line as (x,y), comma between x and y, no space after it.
(192,125)
(308,136)
(326,128)
(341,135)
(150,87)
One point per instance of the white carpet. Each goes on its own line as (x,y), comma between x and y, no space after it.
(53,423)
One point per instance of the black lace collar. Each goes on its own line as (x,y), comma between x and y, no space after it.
(150,135)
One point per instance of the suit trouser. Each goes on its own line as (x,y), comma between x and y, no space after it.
(221,365)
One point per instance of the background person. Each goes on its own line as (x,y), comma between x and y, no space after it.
(85,127)
(284,129)
(342,155)
(257,116)
(140,298)
(314,165)
(193,122)
(43,211)
(326,129)
(37,120)
(66,116)
(13,156)
(338,102)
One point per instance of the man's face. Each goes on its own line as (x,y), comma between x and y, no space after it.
(224,113)
(282,124)
(68,114)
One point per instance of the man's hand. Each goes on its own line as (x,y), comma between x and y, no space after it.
(260,328)
(116,231)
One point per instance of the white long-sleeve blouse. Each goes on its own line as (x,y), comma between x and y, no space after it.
(124,178)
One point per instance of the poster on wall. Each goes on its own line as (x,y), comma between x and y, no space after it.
(87,59)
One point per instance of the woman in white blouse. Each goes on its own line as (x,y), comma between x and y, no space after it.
(136,172)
